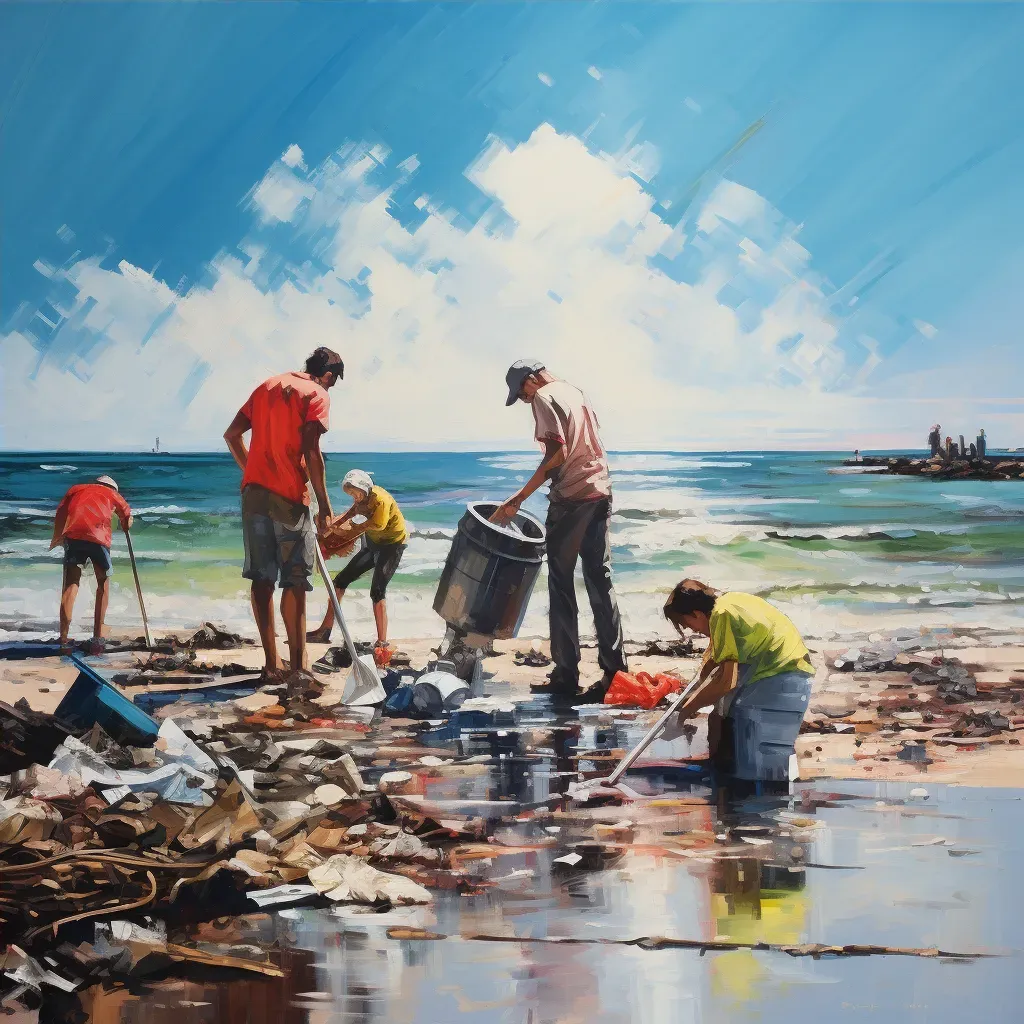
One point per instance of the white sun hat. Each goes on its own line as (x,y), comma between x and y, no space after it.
(109,481)
(359,479)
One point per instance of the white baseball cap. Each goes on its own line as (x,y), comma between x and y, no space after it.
(359,479)
(109,481)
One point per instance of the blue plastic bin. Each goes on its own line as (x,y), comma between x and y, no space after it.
(93,700)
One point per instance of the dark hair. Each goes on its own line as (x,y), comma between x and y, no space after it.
(689,596)
(325,360)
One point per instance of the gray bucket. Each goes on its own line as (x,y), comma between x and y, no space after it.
(763,722)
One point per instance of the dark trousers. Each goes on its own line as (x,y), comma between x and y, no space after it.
(580,530)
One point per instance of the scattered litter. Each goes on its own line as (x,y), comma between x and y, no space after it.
(641,690)
(343,878)
(572,859)
(664,649)
(329,794)
(533,658)
(394,782)
(915,753)
(282,894)
(980,724)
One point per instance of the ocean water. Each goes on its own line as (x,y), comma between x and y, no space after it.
(841,552)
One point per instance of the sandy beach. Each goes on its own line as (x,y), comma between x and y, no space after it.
(855,728)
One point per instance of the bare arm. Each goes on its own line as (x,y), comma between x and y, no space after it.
(234,437)
(124,514)
(317,471)
(554,456)
(58,524)
(717,679)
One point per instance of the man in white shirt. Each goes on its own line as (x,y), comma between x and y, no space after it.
(578,518)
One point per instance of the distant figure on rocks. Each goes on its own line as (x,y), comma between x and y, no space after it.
(83,525)
(935,439)
(981,443)
(857,456)
(949,447)
(287,415)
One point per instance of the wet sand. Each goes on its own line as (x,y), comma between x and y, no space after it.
(851,700)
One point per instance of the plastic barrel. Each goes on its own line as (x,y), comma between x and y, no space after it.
(490,573)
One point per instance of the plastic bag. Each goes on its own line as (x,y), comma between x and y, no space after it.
(641,690)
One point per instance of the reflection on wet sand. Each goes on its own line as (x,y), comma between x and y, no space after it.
(690,858)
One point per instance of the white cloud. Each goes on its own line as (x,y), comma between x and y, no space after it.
(292,157)
(693,105)
(716,332)
(545,79)
(278,196)
(594,73)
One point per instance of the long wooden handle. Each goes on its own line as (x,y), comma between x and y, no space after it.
(655,730)
(321,564)
(138,589)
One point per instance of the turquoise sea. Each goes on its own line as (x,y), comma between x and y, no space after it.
(842,552)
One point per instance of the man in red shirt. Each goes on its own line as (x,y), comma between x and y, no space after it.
(83,525)
(286,414)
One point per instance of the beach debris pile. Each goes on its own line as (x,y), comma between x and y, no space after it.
(888,691)
(189,829)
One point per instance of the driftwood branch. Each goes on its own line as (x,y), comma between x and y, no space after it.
(121,908)
(811,949)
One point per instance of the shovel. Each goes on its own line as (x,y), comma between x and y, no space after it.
(363,685)
(584,790)
(138,589)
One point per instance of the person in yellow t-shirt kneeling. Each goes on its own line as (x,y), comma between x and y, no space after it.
(756,672)
(383,536)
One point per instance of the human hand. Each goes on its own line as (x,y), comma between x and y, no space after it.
(506,512)
(323,522)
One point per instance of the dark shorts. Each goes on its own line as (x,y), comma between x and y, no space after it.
(383,559)
(278,537)
(78,552)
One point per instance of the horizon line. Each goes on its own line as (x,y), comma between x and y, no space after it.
(464,451)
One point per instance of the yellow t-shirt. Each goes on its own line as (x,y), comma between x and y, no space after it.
(748,630)
(386,524)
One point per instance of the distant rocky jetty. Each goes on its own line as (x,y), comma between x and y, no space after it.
(938,468)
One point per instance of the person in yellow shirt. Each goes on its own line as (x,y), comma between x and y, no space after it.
(383,536)
(756,672)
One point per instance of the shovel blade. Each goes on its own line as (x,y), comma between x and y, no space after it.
(363,685)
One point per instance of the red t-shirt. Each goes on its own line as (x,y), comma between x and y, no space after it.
(278,409)
(88,508)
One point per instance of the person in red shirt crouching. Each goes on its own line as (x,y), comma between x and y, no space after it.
(83,525)
(287,415)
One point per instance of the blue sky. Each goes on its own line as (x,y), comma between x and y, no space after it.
(147,274)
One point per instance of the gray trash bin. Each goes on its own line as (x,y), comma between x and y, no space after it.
(490,572)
